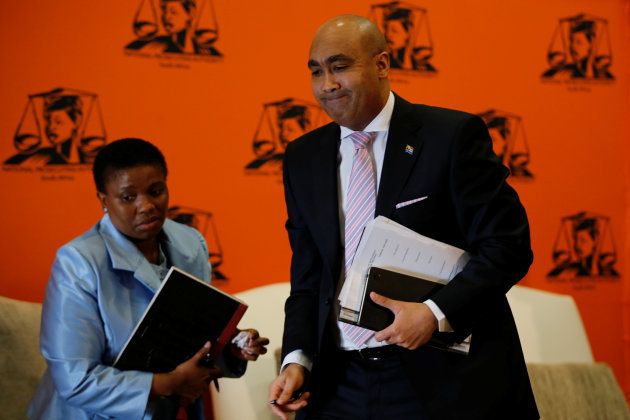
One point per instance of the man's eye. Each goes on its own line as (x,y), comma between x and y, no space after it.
(316,72)
(339,68)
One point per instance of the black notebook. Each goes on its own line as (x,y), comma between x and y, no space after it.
(406,288)
(394,286)
(184,313)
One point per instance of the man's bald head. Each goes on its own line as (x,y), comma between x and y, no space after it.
(349,66)
(355,29)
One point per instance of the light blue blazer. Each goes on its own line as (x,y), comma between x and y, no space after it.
(99,287)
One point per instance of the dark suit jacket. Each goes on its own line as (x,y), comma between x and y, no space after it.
(470,206)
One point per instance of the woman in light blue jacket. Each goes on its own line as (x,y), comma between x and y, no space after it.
(100,285)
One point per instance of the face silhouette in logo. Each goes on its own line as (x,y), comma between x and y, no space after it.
(63,116)
(183,32)
(589,254)
(292,120)
(581,37)
(292,123)
(583,50)
(508,141)
(203,221)
(177,16)
(406,31)
(584,238)
(396,28)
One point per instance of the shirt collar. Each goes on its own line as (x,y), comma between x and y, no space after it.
(379,123)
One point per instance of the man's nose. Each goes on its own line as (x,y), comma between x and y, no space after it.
(330,82)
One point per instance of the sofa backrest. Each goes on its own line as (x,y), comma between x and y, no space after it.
(21,363)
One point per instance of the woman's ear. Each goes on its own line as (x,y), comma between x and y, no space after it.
(102,199)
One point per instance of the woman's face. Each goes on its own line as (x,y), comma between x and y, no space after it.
(136,199)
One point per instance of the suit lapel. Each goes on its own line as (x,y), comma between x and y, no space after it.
(403,148)
(126,256)
(326,205)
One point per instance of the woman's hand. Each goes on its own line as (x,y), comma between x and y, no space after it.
(188,380)
(248,345)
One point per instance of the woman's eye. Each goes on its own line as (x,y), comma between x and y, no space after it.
(157,192)
(127,198)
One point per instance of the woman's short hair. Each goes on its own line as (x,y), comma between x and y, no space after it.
(124,154)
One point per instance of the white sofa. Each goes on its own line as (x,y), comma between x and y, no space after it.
(566,382)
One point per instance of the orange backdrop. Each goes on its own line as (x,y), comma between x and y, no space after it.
(221,86)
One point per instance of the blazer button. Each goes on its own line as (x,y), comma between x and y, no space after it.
(327,301)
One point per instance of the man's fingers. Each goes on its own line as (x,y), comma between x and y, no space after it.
(383,301)
(287,392)
(297,404)
(279,411)
(383,335)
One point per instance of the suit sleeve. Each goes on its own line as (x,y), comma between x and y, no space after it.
(493,223)
(301,307)
(73,344)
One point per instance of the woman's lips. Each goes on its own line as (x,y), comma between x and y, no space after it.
(149,224)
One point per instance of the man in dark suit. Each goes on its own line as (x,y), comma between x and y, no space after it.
(435,173)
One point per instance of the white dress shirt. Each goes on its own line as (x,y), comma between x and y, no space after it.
(380,126)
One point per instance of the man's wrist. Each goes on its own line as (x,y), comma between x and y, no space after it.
(442,323)
(299,357)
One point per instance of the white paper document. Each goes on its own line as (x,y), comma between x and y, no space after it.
(389,245)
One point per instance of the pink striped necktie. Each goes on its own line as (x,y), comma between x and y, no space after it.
(361,204)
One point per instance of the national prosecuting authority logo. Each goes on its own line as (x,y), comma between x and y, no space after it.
(408,35)
(60,132)
(280,123)
(509,141)
(176,29)
(584,251)
(203,221)
(580,51)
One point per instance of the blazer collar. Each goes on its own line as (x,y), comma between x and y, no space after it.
(404,145)
(325,163)
(126,256)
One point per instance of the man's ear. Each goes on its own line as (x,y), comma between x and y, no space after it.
(382,64)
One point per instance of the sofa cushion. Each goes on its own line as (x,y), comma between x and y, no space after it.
(21,364)
(576,391)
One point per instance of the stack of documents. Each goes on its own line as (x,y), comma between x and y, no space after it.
(391,246)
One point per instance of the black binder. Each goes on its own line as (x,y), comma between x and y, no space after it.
(184,313)
(394,286)
(403,287)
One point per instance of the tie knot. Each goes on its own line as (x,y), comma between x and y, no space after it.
(361,139)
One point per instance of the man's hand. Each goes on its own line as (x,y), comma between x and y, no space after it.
(413,325)
(282,388)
